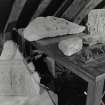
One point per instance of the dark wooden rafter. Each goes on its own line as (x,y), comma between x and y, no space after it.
(27,13)
(74,8)
(52,7)
(87,8)
(100,5)
(41,8)
(62,8)
(14,14)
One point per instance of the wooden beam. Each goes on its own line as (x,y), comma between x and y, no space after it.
(63,5)
(41,8)
(89,6)
(74,8)
(100,5)
(15,13)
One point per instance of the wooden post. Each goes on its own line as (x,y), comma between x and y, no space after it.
(89,6)
(41,8)
(95,92)
(74,8)
(14,14)
(63,5)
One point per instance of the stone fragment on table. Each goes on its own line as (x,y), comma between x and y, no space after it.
(94,39)
(42,27)
(70,46)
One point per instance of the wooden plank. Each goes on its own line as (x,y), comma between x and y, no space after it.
(75,7)
(90,93)
(53,51)
(87,73)
(15,13)
(95,92)
(89,6)
(41,8)
(100,5)
(63,5)
(51,65)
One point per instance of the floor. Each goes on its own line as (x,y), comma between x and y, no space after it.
(72,91)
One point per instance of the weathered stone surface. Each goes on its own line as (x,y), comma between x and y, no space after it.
(9,50)
(15,78)
(96,21)
(96,25)
(50,26)
(70,46)
(17,85)
(94,39)
(42,99)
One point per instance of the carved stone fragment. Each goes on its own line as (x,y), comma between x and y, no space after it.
(70,46)
(50,26)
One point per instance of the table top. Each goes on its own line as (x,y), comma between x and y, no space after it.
(89,72)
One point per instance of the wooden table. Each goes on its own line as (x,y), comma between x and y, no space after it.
(93,73)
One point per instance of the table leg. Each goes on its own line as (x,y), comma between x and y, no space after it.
(51,65)
(95,92)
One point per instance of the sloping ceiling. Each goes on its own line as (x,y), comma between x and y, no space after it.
(73,10)
(5,7)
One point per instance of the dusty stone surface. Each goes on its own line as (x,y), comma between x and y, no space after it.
(14,76)
(50,26)
(42,99)
(96,26)
(70,46)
